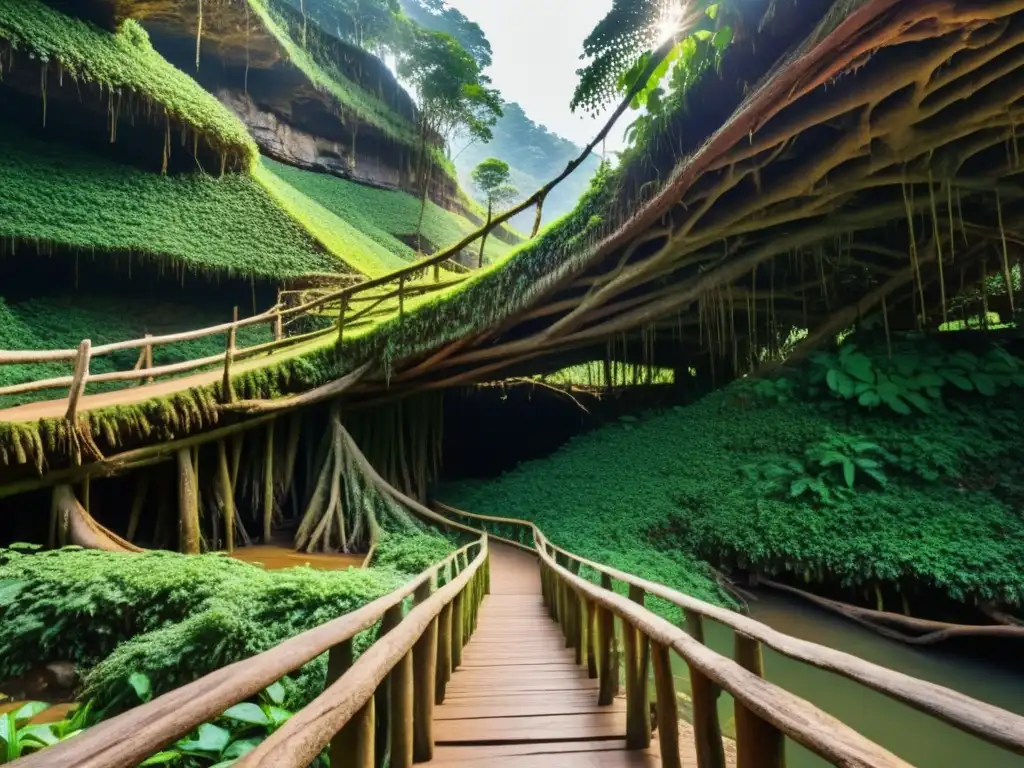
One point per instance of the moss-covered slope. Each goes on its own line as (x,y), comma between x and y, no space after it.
(58,194)
(125,64)
(388,217)
(797,484)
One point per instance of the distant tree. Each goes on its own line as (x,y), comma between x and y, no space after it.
(491,177)
(454,95)
(364,23)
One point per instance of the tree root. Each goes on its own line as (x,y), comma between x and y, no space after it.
(895,626)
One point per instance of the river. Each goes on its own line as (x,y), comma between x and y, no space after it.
(917,738)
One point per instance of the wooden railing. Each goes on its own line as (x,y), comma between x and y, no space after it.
(372,293)
(764,713)
(397,680)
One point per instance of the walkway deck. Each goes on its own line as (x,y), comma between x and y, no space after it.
(519,699)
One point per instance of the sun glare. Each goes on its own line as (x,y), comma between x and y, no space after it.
(671,19)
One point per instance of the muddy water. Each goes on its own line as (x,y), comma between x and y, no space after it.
(275,558)
(917,738)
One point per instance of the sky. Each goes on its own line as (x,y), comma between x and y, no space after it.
(536,48)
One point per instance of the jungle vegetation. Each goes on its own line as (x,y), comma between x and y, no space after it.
(890,480)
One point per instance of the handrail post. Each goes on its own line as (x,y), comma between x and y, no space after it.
(707,731)
(458,623)
(278,324)
(759,744)
(81,375)
(638,707)
(402,712)
(444,653)
(227,391)
(353,745)
(424,663)
(667,707)
(591,641)
(342,307)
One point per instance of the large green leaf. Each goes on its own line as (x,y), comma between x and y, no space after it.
(29,710)
(41,734)
(275,692)
(860,367)
(849,473)
(140,682)
(958,379)
(246,712)
(161,758)
(212,740)
(241,747)
(984,383)
(869,399)
(898,404)
(922,403)
(9,590)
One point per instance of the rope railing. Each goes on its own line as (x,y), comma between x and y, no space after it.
(398,680)
(764,713)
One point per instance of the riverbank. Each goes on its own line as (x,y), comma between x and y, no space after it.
(791,479)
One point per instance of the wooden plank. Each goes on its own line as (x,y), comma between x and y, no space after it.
(598,759)
(483,752)
(503,730)
(523,706)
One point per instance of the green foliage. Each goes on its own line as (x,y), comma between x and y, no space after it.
(819,488)
(452,90)
(491,177)
(621,47)
(376,219)
(915,378)
(125,62)
(18,737)
(410,553)
(207,223)
(439,16)
(61,322)
(316,54)
(171,617)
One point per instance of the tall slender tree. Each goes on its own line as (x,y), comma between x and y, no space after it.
(491,178)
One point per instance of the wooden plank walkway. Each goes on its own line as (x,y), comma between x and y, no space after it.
(519,699)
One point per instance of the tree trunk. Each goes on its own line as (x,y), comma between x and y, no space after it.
(483,240)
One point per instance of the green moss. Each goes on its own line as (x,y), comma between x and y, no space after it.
(357,248)
(55,193)
(61,322)
(383,215)
(123,61)
(313,61)
(702,483)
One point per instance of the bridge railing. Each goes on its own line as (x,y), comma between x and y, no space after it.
(377,296)
(764,713)
(397,681)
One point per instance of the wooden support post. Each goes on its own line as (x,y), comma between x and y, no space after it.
(401,712)
(227,496)
(78,380)
(353,745)
(268,484)
(638,704)
(348,740)
(188,504)
(383,697)
(444,653)
(458,622)
(706,731)
(342,308)
(694,624)
(591,627)
(227,392)
(582,636)
(278,323)
(668,707)
(759,744)
(424,655)
(607,669)
(149,358)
